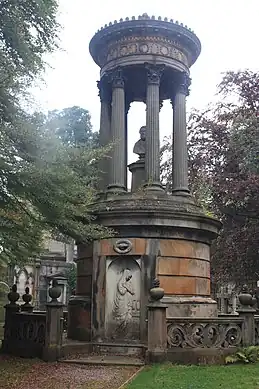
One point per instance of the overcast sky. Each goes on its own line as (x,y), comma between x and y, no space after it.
(228,30)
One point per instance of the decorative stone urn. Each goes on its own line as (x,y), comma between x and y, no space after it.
(55,292)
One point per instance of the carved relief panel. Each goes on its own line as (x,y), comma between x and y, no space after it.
(144,45)
(122,308)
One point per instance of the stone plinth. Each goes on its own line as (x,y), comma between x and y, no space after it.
(137,170)
(165,237)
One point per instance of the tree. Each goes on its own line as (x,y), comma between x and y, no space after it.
(72,126)
(224,173)
(46,185)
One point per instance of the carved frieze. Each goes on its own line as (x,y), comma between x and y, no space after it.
(144,45)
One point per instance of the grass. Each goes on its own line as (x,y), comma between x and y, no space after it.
(198,377)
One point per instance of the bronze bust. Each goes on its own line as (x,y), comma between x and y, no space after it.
(140,145)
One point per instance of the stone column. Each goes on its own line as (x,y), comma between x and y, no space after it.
(127,107)
(152,161)
(105,132)
(180,155)
(118,161)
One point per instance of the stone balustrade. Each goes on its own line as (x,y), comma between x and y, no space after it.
(205,332)
(198,339)
(34,334)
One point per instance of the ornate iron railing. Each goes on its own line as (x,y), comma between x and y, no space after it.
(25,336)
(205,332)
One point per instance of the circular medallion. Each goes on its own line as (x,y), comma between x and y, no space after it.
(123,246)
(143,48)
(132,49)
(124,50)
(164,50)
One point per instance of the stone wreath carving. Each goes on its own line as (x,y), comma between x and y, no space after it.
(122,246)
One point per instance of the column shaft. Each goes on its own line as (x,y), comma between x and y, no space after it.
(118,161)
(180,153)
(105,139)
(152,162)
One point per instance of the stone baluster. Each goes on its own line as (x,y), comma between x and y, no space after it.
(157,330)
(118,161)
(180,154)
(105,132)
(152,162)
(54,325)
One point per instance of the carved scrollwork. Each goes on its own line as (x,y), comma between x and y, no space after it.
(257,331)
(204,335)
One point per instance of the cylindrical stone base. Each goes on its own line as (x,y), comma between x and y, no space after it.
(137,170)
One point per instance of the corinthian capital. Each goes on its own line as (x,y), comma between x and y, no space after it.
(103,89)
(154,73)
(183,83)
(116,78)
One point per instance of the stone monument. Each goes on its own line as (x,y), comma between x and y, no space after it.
(158,234)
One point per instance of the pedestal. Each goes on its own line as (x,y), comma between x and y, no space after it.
(137,170)
(157,332)
(54,332)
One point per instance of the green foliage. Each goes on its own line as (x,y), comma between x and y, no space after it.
(244,355)
(47,179)
(71,277)
(72,126)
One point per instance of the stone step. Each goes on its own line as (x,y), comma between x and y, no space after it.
(127,349)
(108,360)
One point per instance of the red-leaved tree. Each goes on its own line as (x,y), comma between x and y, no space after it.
(223,144)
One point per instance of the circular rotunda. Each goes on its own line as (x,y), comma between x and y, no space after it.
(157,234)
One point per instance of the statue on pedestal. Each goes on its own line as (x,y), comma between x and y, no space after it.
(140,145)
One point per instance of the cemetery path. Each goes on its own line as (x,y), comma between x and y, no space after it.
(18,373)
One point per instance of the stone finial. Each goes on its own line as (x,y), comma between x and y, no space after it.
(127,19)
(13,295)
(159,18)
(156,293)
(165,19)
(54,292)
(121,20)
(153,17)
(27,297)
(245,297)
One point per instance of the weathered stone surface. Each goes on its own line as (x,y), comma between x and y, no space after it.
(182,267)
(179,285)
(183,248)
(84,285)
(79,318)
